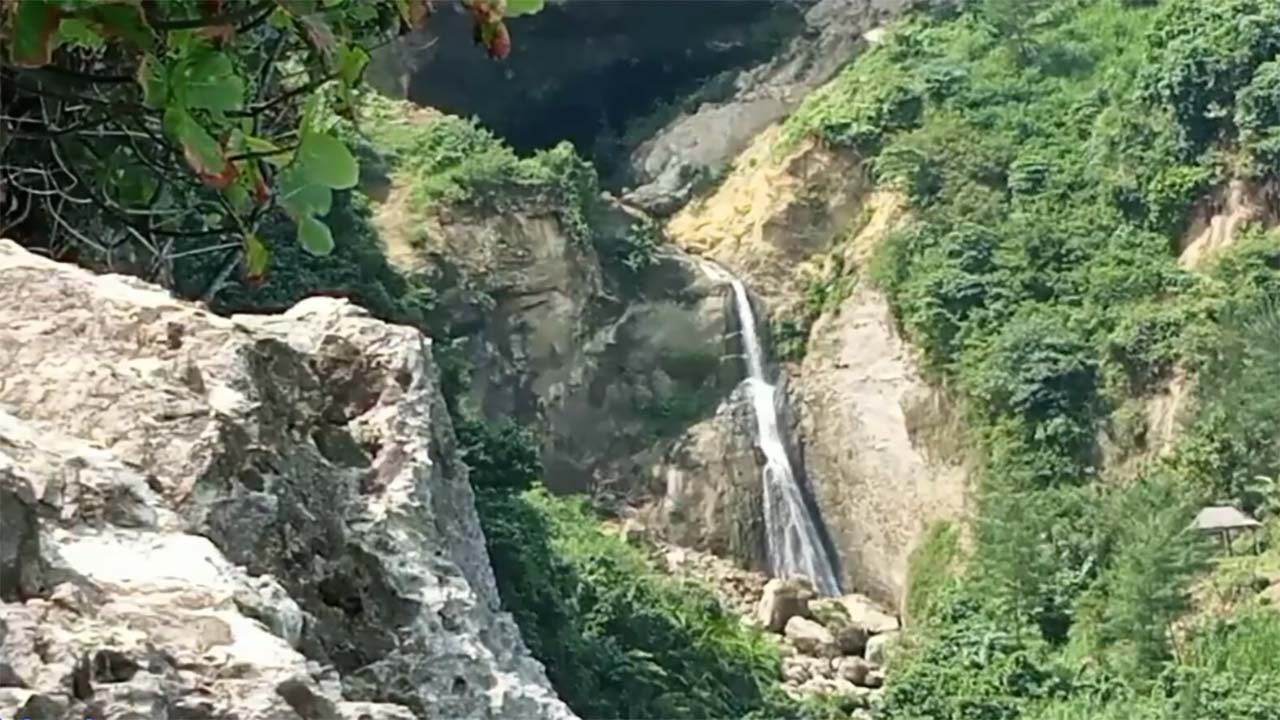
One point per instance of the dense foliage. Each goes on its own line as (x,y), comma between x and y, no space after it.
(1052,154)
(618,638)
(138,133)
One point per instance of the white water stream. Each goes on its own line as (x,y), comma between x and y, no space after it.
(791,534)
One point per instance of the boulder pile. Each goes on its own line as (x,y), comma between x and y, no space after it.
(832,646)
(838,646)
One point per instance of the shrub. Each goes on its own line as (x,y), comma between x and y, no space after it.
(501,455)
(931,567)
(1038,278)
(619,639)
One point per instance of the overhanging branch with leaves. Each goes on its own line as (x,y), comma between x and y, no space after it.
(140,131)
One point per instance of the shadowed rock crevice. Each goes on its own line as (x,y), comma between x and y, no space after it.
(583,71)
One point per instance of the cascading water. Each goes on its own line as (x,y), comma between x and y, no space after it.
(791,535)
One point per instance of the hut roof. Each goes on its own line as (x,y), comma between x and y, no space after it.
(1223,517)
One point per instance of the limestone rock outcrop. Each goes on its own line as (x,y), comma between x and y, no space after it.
(881,446)
(253,517)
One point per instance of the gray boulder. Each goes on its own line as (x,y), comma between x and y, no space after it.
(810,638)
(880,648)
(782,600)
(260,516)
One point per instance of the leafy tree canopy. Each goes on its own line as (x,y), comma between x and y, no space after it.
(138,131)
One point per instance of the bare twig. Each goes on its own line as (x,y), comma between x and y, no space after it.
(220,279)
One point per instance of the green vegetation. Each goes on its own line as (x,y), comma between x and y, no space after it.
(1051,153)
(931,567)
(501,455)
(670,414)
(444,159)
(824,291)
(789,336)
(638,248)
(619,639)
(157,131)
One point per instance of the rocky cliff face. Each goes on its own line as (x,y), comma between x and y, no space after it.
(246,517)
(881,446)
(704,489)
(629,372)
(881,449)
(668,168)
(608,362)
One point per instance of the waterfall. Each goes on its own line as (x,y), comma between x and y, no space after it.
(791,533)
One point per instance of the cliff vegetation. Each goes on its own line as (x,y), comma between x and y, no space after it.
(1054,156)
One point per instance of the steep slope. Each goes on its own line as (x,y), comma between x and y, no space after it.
(568,313)
(872,436)
(211,517)
(676,162)
(1051,157)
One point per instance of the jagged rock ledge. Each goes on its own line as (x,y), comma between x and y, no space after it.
(254,517)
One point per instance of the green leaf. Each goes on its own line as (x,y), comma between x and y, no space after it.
(300,196)
(122,20)
(35,31)
(238,195)
(516,8)
(414,13)
(280,19)
(202,151)
(77,31)
(363,12)
(325,159)
(351,63)
(153,77)
(314,236)
(211,82)
(270,152)
(298,8)
(256,257)
(313,117)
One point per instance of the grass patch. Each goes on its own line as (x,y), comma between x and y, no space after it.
(931,567)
